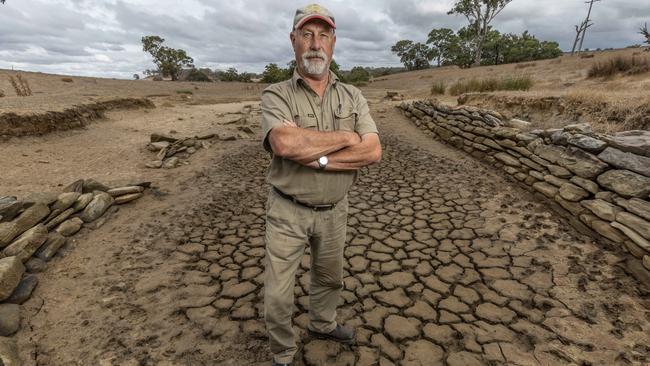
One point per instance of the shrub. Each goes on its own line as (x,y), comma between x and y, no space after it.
(67,80)
(21,86)
(184,91)
(438,88)
(490,85)
(587,55)
(197,75)
(2,93)
(620,65)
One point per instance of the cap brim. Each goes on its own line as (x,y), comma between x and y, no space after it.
(304,20)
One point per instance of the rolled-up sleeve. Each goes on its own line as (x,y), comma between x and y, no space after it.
(275,109)
(365,124)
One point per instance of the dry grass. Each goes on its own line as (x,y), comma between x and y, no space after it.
(620,65)
(612,111)
(20,85)
(491,85)
(438,88)
(525,65)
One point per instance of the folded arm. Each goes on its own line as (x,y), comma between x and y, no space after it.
(305,146)
(365,153)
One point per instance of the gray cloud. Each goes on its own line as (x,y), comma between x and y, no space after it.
(102,38)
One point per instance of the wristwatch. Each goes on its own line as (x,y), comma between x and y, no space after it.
(322,162)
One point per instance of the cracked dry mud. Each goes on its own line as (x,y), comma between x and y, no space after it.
(446,263)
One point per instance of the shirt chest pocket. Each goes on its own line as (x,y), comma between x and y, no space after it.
(345,119)
(307,121)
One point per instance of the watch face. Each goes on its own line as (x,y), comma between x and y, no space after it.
(323,160)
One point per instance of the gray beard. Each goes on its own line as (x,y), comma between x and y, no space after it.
(314,67)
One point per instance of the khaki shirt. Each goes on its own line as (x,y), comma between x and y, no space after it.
(343,108)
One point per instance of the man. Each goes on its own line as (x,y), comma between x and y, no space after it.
(320,133)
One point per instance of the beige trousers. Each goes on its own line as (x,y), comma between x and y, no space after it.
(289,229)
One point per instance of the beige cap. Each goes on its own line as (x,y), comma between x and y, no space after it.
(312,11)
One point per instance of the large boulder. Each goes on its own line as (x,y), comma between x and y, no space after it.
(625,183)
(30,217)
(9,208)
(9,352)
(96,208)
(82,201)
(576,160)
(636,206)
(582,163)
(587,143)
(53,243)
(11,270)
(91,185)
(638,224)
(625,160)
(46,198)
(635,141)
(70,227)
(572,192)
(602,209)
(27,243)
(9,320)
(115,192)
(65,200)
(59,218)
(24,290)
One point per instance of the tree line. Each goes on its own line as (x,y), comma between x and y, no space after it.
(476,43)
(357,75)
(449,48)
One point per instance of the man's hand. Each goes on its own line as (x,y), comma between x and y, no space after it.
(304,145)
(366,153)
(286,123)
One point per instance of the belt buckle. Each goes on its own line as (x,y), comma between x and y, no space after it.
(322,207)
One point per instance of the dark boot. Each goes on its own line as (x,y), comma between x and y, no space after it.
(339,334)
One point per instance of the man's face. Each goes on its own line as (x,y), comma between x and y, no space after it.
(313,45)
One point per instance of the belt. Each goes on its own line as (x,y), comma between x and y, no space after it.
(312,207)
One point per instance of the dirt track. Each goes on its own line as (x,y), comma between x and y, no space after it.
(446,262)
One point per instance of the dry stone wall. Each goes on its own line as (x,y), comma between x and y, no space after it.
(33,229)
(599,183)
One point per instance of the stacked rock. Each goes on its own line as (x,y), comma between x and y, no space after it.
(600,183)
(171,150)
(33,229)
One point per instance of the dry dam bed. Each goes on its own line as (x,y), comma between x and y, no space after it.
(447,263)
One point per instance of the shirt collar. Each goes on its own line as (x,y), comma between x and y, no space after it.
(333,80)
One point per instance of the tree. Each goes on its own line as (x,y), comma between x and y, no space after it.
(169,61)
(233,75)
(479,14)
(441,41)
(197,75)
(644,32)
(274,74)
(414,56)
(461,49)
(136,77)
(358,75)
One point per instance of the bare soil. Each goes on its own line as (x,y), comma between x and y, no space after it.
(447,261)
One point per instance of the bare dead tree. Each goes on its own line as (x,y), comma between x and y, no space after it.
(644,32)
(579,34)
(586,22)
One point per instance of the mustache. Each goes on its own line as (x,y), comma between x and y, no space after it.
(314,54)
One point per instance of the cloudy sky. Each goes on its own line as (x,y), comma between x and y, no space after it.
(102,37)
